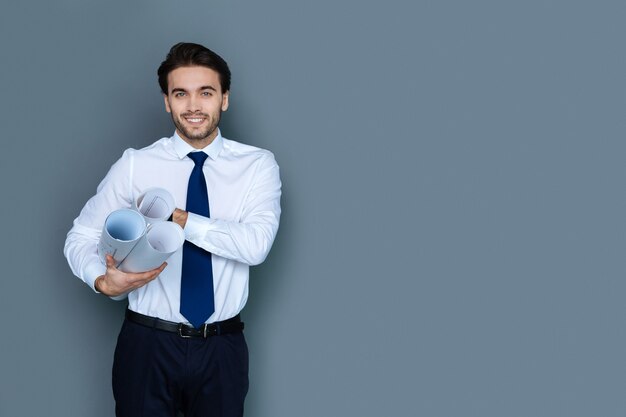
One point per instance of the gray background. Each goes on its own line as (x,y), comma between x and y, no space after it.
(452,242)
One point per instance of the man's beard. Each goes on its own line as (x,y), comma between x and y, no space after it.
(196,134)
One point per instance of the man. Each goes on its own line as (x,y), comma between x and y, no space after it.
(181,347)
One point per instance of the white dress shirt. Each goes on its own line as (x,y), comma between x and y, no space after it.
(244,198)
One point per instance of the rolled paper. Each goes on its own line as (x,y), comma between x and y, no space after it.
(122,230)
(155,204)
(139,239)
(160,242)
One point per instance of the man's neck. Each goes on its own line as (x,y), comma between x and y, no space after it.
(199,143)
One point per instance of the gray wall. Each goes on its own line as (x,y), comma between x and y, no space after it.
(452,241)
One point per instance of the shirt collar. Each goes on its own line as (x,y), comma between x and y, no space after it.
(182,148)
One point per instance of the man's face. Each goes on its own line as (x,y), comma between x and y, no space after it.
(195,101)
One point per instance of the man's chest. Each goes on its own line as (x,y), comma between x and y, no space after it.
(228,184)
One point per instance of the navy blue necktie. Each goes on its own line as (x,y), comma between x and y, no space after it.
(196,288)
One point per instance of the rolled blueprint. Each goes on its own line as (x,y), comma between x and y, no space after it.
(155,204)
(122,230)
(161,241)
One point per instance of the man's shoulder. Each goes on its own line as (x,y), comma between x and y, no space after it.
(157,148)
(245,150)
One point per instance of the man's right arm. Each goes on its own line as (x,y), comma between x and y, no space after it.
(114,192)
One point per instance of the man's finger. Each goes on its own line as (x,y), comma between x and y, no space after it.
(110,261)
(144,280)
(157,271)
(150,275)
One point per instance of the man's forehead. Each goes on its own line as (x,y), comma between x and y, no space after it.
(193,78)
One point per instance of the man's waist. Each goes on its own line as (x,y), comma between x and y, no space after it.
(231,325)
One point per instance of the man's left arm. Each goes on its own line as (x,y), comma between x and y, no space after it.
(250,240)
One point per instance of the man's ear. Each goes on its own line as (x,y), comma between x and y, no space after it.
(225,100)
(167,104)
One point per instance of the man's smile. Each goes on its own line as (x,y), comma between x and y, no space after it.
(194,119)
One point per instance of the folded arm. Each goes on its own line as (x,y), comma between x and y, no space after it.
(250,239)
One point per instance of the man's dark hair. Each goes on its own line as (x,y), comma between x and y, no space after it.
(193,55)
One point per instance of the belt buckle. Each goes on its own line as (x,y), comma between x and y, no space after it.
(180,332)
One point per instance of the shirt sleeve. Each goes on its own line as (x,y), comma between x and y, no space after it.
(249,240)
(114,192)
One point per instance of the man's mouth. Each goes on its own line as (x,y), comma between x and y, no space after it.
(194,119)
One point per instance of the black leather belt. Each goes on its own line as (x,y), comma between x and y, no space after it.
(232,325)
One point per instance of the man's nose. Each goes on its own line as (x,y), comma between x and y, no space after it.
(194,103)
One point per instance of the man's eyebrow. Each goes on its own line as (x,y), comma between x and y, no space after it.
(208,87)
(176,90)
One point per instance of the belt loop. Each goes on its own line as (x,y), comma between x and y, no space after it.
(218,329)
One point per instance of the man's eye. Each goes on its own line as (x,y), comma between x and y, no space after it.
(179,94)
(206,94)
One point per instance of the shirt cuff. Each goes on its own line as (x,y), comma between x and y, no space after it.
(92,272)
(196,226)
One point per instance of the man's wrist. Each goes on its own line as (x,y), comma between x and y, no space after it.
(98,283)
(180,217)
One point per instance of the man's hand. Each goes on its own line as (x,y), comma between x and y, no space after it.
(115,282)
(180,217)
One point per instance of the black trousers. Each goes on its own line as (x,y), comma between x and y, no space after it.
(159,374)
